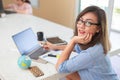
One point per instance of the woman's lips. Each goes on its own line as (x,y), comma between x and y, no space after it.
(81,32)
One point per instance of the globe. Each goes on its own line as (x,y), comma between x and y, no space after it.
(24,62)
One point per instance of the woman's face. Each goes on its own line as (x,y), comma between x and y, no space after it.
(18,2)
(87,24)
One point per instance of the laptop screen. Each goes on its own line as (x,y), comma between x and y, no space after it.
(1,6)
(26,41)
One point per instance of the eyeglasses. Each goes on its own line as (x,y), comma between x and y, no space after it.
(86,23)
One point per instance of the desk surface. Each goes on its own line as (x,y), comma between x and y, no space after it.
(14,23)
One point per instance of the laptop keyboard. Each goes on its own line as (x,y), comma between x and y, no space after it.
(37,53)
(9,12)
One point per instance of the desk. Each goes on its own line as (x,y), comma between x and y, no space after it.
(14,23)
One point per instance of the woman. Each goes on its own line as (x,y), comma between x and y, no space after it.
(20,6)
(91,42)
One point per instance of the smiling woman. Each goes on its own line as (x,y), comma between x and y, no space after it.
(20,6)
(91,42)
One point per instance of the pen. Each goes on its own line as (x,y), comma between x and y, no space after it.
(52,55)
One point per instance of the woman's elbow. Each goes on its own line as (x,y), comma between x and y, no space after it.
(57,67)
(61,68)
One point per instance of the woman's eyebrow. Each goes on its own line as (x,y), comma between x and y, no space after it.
(87,19)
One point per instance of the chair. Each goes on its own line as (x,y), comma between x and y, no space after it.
(115,61)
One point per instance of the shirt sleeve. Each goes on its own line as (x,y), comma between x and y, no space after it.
(77,48)
(84,60)
(28,8)
(79,62)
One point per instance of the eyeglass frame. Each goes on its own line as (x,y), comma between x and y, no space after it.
(87,23)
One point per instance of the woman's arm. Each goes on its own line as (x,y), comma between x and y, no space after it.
(27,9)
(51,46)
(21,11)
(8,6)
(66,53)
(76,39)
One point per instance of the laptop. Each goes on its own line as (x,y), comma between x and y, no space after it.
(27,44)
(2,10)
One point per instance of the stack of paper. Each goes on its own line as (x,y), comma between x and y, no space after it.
(53,60)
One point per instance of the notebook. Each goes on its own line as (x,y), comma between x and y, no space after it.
(56,40)
(2,10)
(27,44)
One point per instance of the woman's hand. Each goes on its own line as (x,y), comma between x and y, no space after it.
(47,45)
(82,39)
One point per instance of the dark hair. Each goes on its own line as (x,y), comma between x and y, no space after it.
(27,1)
(102,36)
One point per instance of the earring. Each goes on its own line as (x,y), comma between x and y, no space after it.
(97,31)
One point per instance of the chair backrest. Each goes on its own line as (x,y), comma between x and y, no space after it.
(115,52)
(115,61)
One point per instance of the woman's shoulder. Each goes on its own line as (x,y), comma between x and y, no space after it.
(96,47)
(96,50)
(27,4)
